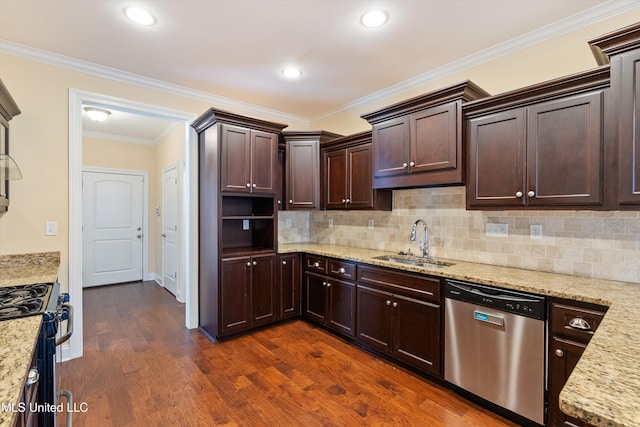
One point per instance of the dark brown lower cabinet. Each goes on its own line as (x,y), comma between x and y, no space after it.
(572,324)
(405,325)
(289,292)
(330,302)
(247,294)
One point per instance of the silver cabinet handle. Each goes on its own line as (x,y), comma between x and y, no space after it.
(316,264)
(412,163)
(581,324)
(290,201)
(559,352)
(344,200)
(33,377)
(404,165)
(284,262)
(279,202)
(248,185)
(254,185)
(255,263)
(348,201)
(324,283)
(518,194)
(69,396)
(341,270)
(248,263)
(328,285)
(395,304)
(531,193)
(67,312)
(388,302)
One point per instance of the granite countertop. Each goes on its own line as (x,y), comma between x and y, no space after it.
(18,336)
(604,388)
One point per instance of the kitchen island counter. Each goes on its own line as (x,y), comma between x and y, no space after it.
(604,388)
(18,336)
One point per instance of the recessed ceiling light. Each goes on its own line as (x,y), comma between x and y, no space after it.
(374,18)
(292,72)
(97,114)
(139,15)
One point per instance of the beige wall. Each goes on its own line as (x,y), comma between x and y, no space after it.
(122,155)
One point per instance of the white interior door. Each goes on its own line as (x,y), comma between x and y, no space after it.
(112,215)
(170,238)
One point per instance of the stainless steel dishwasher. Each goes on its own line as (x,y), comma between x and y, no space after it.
(495,346)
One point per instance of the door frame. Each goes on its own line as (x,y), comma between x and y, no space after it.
(179,284)
(189,243)
(145,210)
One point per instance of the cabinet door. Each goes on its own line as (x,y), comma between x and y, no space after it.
(496,165)
(391,147)
(303,164)
(563,357)
(629,149)
(234,295)
(315,297)
(434,139)
(335,178)
(360,177)
(280,186)
(564,151)
(374,318)
(235,159)
(342,306)
(289,285)
(264,149)
(263,295)
(416,333)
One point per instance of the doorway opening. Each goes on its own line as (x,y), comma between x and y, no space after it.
(188,205)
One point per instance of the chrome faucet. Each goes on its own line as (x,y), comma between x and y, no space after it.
(424,244)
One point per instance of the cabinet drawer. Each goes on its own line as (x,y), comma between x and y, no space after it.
(426,288)
(575,322)
(342,269)
(315,263)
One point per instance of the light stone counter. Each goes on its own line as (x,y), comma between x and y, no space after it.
(604,388)
(18,336)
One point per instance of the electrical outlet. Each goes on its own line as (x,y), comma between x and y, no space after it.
(50,228)
(330,222)
(288,221)
(245,224)
(496,229)
(535,231)
(371,223)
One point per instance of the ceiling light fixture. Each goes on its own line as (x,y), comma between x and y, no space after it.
(139,15)
(292,72)
(97,114)
(374,18)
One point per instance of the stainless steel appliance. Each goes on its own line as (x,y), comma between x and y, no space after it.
(42,299)
(495,346)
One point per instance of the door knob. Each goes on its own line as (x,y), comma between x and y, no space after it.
(139,228)
(139,236)
(163,235)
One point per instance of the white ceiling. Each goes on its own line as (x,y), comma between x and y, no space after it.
(236,48)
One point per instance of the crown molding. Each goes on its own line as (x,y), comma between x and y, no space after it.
(39,55)
(564,26)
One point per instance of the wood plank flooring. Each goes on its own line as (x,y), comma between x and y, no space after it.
(142,367)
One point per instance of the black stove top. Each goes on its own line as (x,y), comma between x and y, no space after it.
(24,300)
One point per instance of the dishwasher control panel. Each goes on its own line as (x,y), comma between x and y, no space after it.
(516,302)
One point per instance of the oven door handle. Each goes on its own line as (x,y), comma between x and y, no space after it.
(68,310)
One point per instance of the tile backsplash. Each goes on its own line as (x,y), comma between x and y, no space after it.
(583,243)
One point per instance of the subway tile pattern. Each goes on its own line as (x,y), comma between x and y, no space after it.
(603,245)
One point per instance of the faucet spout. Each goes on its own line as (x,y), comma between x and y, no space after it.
(424,244)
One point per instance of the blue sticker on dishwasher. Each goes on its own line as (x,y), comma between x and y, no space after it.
(481,316)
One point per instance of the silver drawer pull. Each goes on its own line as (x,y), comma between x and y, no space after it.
(341,270)
(33,377)
(316,264)
(579,323)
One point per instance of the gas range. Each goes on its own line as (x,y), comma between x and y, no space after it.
(26,300)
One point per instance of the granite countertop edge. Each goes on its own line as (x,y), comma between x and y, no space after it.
(604,387)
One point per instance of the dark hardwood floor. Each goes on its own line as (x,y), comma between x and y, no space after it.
(142,367)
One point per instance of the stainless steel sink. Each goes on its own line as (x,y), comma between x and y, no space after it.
(420,262)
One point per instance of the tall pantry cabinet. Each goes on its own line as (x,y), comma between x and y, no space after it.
(238,222)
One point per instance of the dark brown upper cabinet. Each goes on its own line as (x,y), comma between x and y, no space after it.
(302,166)
(540,146)
(347,175)
(418,142)
(621,49)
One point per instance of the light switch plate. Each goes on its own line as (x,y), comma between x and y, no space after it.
(330,222)
(50,228)
(535,231)
(371,223)
(245,224)
(496,229)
